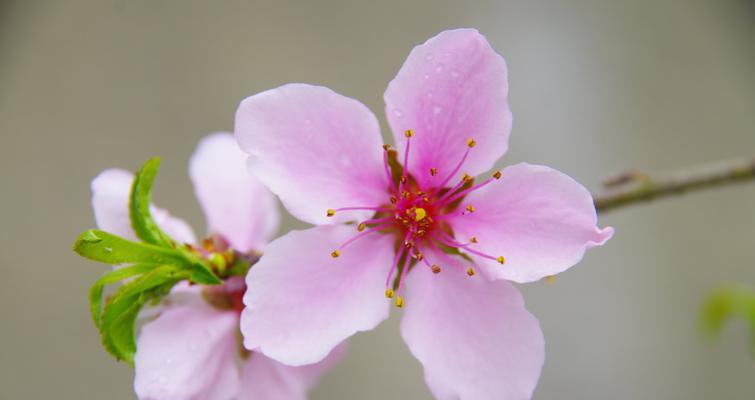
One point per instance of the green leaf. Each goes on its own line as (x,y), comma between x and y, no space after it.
(120,311)
(111,249)
(725,303)
(141,217)
(95,292)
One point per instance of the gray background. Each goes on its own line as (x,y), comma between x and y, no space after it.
(596,88)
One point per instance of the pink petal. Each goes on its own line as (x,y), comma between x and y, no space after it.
(451,88)
(539,219)
(315,149)
(474,337)
(301,302)
(236,205)
(110,201)
(188,352)
(265,378)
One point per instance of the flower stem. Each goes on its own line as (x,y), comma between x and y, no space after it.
(636,187)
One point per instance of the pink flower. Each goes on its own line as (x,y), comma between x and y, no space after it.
(443,247)
(192,349)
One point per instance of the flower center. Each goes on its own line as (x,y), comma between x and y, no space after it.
(420,217)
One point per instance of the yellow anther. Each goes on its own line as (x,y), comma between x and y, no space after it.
(409,133)
(550,279)
(433,171)
(335,253)
(467,178)
(400,302)
(421,193)
(403,179)
(331,212)
(361,227)
(473,239)
(497,174)
(470,208)
(405,194)
(419,214)
(408,245)
(470,271)
(426,199)
(393,199)
(436,269)
(386,147)
(471,142)
(388,293)
(501,260)
(419,256)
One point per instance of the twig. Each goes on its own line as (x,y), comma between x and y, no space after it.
(635,187)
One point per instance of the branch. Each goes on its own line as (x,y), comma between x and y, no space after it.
(637,187)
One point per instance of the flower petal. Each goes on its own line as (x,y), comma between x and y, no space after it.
(474,337)
(110,201)
(315,149)
(236,205)
(188,352)
(301,302)
(451,88)
(265,378)
(541,220)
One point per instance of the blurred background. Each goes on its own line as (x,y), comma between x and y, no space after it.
(597,87)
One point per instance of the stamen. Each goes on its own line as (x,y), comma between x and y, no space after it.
(357,237)
(455,170)
(396,259)
(388,293)
(387,167)
(497,175)
(465,192)
(470,271)
(470,208)
(361,227)
(501,260)
(444,238)
(436,269)
(473,239)
(331,212)
(433,171)
(408,133)
(471,142)
(335,254)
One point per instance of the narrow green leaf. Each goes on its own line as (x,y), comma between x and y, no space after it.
(141,217)
(111,249)
(120,311)
(725,303)
(95,292)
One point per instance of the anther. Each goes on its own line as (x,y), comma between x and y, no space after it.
(331,212)
(473,239)
(386,147)
(408,245)
(470,208)
(409,133)
(497,175)
(466,178)
(419,256)
(388,293)
(501,260)
(550,279)
(335,253)
(393,199)
(361,227)
(436,269)
(403,179)
(471,142)
(405,194)
(470,271)
(400,302)
(433,171)
(426,199)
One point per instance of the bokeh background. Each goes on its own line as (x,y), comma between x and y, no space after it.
(597,87)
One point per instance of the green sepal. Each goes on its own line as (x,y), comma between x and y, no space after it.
(95,292)
(105,247)
(120,311)
(144,225)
